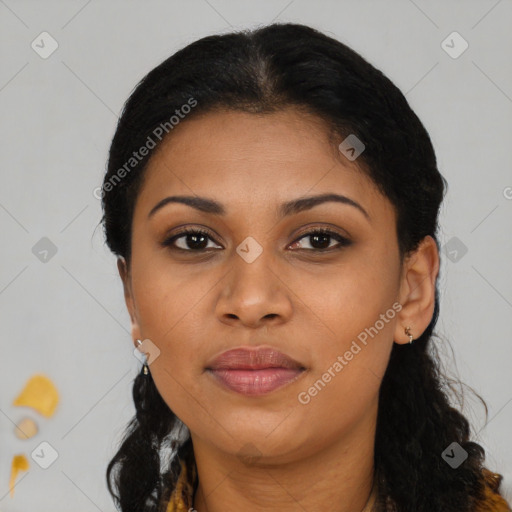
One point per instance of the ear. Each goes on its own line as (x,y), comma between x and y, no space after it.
(417,291)
(124,272)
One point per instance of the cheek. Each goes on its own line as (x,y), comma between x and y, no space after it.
(168,302)
(340,304)
(352,332)
(343,386)
(170,314)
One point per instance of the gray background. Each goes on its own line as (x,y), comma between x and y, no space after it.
(66,317)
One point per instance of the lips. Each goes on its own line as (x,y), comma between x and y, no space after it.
(253,359)
(254,371)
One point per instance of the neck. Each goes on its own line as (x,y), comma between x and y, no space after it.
(338,478)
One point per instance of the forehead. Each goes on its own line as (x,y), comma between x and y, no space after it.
(228,135)
(245,158)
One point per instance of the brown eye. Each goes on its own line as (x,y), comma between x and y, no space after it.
(197,240)
(320,240)
(194,240)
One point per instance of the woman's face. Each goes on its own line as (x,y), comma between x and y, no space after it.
(258,279)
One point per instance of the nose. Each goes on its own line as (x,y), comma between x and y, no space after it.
(253,295)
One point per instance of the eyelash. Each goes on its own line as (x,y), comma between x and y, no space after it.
(343,241)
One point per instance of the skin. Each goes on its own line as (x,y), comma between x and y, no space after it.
(308,304)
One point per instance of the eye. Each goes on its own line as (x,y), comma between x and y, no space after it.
(319,240)
(194,240)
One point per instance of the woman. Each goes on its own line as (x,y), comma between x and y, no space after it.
(273,202)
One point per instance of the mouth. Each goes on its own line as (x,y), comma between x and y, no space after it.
(254,371)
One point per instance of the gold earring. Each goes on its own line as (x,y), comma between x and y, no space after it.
(408,332)
(139,343)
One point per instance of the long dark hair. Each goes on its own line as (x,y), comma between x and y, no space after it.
(262,71)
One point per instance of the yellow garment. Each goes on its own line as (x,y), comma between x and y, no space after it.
(182,497)
(494,502)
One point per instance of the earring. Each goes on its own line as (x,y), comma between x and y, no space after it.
(146,371)
(408,332)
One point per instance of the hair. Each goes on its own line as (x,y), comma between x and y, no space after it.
(266,70)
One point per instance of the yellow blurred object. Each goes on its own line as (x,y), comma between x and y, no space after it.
(39,393)
(26,428)
(19,463)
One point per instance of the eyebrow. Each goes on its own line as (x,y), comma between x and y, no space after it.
(206,205)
